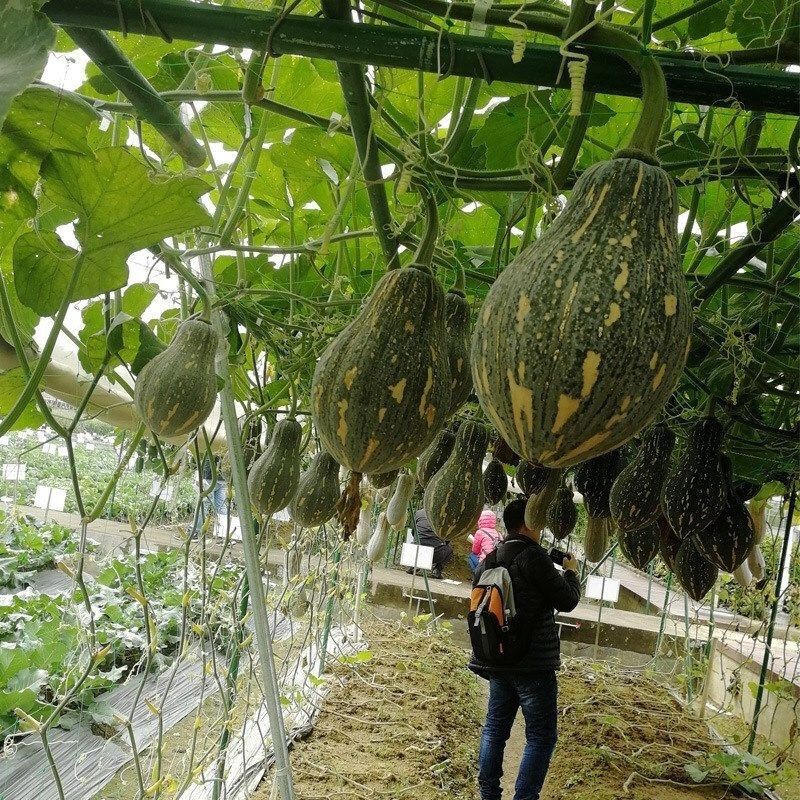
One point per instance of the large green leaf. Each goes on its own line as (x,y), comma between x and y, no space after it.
(760,23)
(12,384)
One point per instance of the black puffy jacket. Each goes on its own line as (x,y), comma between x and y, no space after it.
(539,590)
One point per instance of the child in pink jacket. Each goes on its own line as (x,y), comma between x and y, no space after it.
(485,539)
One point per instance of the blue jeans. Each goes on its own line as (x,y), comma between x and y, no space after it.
(473,561)
(536,695)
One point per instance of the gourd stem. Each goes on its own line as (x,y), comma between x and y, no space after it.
(427,243)
(460,282)
(460,127)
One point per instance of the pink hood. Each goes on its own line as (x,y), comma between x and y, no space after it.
(487,520)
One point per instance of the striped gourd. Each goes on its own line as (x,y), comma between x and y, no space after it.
(694,571)
(176,390)
(380,480)
(635,499)
(317,492)
(537,505)
(582,338)
(381,389)
(434,456)
(668,543)
(454,496)
(640,546)
(532,478)
(695,491)
(561,513)
(503,453)
(274,476)
(594,479)
(397,510)
(597,537)
(456,323)
(495,482)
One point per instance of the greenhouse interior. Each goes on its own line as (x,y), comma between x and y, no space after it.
(276,526)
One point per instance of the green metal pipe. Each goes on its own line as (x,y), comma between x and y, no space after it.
(430,51)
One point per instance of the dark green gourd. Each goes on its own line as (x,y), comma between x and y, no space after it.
(695,491)
(456,324)
(583,336)
(176,391)
(594,479)
(434,457)
(537,505)
(317,492)
(640,546)
(635,500)
(274,477)
(561,513)
(503,453)
(381,389)
(668,543)
(454,496)
(532,478)
(495,482)
(695,572)
(728,540)
(380,480)
(597,538)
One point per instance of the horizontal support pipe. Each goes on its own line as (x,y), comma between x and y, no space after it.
(430,51)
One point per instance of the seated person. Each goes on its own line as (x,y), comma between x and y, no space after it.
(442,550)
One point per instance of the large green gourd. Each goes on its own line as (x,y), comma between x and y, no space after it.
(640,546)
(694,571)
(668,543)
(274,477)
(594,479)
(381,389)
(317,492)
(695,491)
(728,540)
(434,457)
(537,504)
(582,338)
(635,500)
(454,496)
(176,391)
(456,324)
(561,513)
(495,482)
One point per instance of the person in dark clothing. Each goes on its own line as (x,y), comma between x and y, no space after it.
(530,683)
(442,550)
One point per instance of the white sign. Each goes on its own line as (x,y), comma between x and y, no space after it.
(4,440)
(14,472)
(166,492)
(41,436)
(419,556)
(63,452)
(49,498)
(221,522)
(282,515)
(49,448)
(89,446)
(600,588)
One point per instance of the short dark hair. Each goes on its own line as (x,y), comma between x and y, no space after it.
(514,515)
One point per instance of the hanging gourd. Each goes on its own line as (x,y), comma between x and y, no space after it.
(562,515)
(176,390)
(695,491)
(742,574)
(376,547)
(363,529)
(594,479)
(756,564)
(503,453)
(454,496)
(695,572)
(317,492)
(537,504)
(434,456)
(532,478)
(758,511)
(274,476)
(397,510)
(584,335)
(635,500)
(640,546)
(251,440)
(456,324)
(668,543)
(495,482)
(380,480)
(597,538)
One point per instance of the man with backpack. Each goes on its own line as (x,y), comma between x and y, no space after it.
(516,648)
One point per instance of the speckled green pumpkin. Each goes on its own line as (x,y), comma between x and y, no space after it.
(532,478)
(435,456)
(456,324)
(274,477)
(640,546)
(380,480)
(635,499)
(454,496)
(176,391)
(495,482)
(537,505)
(695,491)
(583,337)
(594,479)
(695,572)
(317,492)
(561,513)
(381,389)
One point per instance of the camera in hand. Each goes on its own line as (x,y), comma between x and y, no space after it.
(558,556)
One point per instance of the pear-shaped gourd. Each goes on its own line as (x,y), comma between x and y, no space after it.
(495,482)
(376,547)
(561,513)
(742,574)
(317,493)
(503,453)
(668,543)
(597,538)
(756,564)
(363,529)
(397,510)
(381,389)
(434,456)
(694,571)
(635,499)
(176,391)
(537,505)
(695,491)
(532,478)
(454,496)
(640,546)
(594,479)
(273,478)
(456,324)
(380,480)
(583,336)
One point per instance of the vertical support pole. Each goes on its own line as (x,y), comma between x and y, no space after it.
(649,586)
(326,628)
(687,655)
(712,652)
(772,616)
(663,616)
(263,635)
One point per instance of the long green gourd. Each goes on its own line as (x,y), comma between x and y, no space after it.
(274,476)
(583,337)
(397,510)
(434,456)
(317,492)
